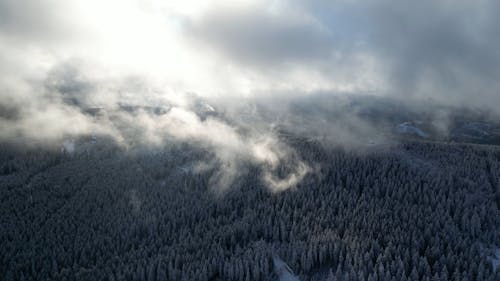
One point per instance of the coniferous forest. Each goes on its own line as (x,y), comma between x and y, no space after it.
(255,140)
(411,211)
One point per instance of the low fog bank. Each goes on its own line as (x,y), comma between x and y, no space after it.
(70,110)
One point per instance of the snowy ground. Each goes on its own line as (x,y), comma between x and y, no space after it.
(495,261)
(283,270)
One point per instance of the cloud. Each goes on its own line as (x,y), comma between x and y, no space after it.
(281,46)
(445,50)
(31,19)
(440,49)
(258,35)
(60,57)
(232,148)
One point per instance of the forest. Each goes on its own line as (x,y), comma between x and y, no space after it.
(408,211)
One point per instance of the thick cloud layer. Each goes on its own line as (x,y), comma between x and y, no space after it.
(256,35)
(60,58)
(445,50)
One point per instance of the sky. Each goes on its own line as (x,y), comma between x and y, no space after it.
(59,56)
(442,49)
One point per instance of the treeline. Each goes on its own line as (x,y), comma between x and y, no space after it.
(416,211)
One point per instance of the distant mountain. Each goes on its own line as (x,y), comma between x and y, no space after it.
(367,116)
(156,110)
(202,108)
(482,132)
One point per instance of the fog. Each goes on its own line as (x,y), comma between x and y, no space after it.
(260,64)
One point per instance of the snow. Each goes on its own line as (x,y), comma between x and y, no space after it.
(185,169)
(493,255)
(409,128)
(496,260)
(474,130)
(68,146)
(283,270)
(208,107)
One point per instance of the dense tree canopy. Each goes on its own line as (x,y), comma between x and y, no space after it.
(413,211)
